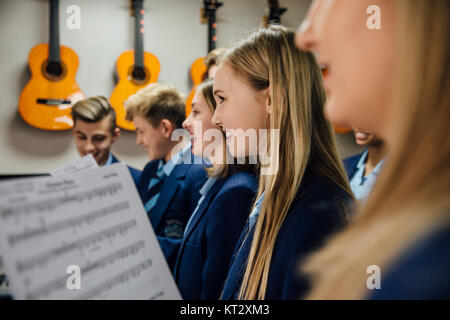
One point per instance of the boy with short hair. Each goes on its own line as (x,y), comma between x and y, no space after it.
(95,130)
(170,182)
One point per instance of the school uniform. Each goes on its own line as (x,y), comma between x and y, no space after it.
(211,235)
(316,212)
(136,174)
(169,207)
(361,184)
(421,271)
(350,165)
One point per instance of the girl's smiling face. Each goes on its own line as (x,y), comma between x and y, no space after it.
(200,115)
(239,106)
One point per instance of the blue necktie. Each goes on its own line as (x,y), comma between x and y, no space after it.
(154,187)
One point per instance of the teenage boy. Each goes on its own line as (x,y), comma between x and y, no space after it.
(170,182)
(95,130)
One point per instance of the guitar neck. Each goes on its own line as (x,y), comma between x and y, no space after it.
(139,34)
(54,55)
(210,11)
(212,25)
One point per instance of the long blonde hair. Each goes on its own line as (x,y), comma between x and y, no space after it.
(412,195)
(269,58)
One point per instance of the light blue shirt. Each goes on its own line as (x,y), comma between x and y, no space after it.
(255,212)
(203,191)
(109,161)
(252,219)
(168,167)
(361,185)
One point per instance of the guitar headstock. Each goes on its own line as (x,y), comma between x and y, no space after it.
(274,12)
(136,6)
(209,6)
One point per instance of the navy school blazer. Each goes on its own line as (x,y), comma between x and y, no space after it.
(350,164)
(209,242)
(178,197)
(422,271)
(136,174)
(318,211)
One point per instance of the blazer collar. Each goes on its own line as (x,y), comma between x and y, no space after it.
(198,214)
(168,191)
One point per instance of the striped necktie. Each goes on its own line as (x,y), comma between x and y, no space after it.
(154,187)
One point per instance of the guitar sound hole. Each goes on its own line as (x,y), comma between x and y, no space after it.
(139,74)
(54,69)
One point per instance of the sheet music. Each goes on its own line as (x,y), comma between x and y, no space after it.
(87,162)
(93,219)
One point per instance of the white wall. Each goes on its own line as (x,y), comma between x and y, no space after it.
(173,33)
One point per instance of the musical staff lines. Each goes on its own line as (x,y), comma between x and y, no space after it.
(60,282)
(119,279)
(77,221)
(79,244)
(53,203)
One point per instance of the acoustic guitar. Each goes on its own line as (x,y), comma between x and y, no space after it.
(198,67)
(135,69)
(46,100)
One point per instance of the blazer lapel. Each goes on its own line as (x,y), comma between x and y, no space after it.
(238,276)
(195,219)
(143,183)
(114,159)
(204,205)
(168,190)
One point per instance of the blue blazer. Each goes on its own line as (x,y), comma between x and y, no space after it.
(317,212)
(136,174)
(420,272)
(177,199)
(350,165)
(209,242)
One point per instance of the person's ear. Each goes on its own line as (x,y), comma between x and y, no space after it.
(166,128)
(116,134)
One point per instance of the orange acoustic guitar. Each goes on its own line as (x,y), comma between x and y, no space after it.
(198,68)
(135,69)
(46,100)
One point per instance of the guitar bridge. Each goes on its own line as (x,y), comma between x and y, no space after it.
(53,102)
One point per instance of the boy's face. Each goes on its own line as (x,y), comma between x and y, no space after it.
(155,141)
(95,138)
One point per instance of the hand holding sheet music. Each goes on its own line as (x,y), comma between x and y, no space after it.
(89,224)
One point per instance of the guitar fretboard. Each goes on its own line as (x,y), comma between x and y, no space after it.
(54,32)
(139,34)
(210,11)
